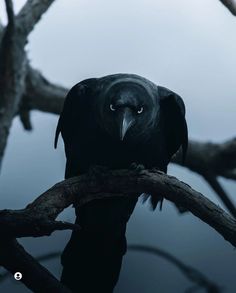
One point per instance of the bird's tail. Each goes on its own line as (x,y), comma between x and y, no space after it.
(92,258)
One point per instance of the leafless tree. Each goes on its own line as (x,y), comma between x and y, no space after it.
(23,89)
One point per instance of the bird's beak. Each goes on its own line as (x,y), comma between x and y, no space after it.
(126,122)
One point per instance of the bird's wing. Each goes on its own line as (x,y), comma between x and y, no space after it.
(172,112)
(75,102)
(71,123)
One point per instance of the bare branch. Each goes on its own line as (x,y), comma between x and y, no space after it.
(83,189)
(30,14)
(212,160)
(13,63)
(10,12)
(230,4)
(12,76)
(192,274)
(41,258)
(216,186)
(220,158)
(15,259)
(28,223)
(43,95)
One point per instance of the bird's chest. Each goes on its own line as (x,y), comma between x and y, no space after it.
(102,150)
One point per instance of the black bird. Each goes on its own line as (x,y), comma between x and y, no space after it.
(113,121)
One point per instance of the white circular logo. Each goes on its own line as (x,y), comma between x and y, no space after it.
(18,276)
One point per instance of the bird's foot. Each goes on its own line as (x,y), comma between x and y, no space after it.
(137,167)
(157,170)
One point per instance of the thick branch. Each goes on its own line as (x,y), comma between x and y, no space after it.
(218,158)
(12,75)
(30,14)
(230,4)
(117,183)
(15,259)
(13,63)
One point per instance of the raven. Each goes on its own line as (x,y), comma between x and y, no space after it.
(113,121)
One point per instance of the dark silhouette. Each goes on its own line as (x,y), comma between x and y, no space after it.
(113,121)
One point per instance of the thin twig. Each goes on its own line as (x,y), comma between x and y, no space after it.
(216,186)
(192,274)
(10,12)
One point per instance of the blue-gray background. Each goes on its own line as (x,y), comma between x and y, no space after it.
(187,46)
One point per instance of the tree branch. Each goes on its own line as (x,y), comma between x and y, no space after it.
(30,14)
(83,189)
(192,274)
(12,70)
(230,4)
(13,63)
(43,95)
(216,186)
(15,259)
(10,12)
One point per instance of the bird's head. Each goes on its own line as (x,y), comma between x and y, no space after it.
(128,110)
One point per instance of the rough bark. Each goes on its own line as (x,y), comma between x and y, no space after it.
(13,61)
(85,188)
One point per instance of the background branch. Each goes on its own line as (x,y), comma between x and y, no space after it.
(190,273)
(30,14)
(230,4)
(13,63)
(10,12)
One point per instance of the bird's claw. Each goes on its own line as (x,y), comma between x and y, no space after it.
(137,167)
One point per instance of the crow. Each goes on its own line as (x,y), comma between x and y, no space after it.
(113,121)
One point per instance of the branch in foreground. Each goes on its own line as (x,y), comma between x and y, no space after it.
(230,4)
(15,259)
(192,274)
(83,189)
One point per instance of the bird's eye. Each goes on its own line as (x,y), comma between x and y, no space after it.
(112,108)
(140,110)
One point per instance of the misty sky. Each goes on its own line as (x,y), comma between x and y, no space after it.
(186,45)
